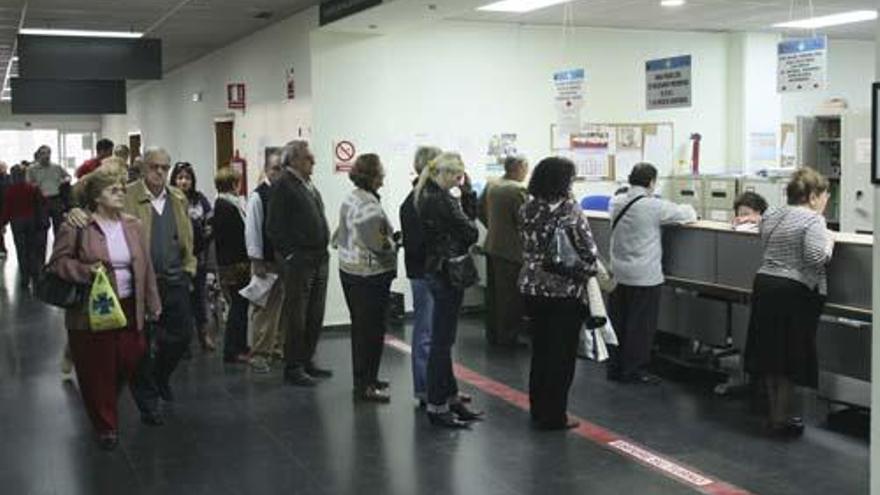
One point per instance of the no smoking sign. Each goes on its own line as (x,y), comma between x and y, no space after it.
(344,153)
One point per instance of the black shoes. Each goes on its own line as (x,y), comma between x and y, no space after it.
(466,414)
(108,440)
(567,424)
(165,392)
(790,428)
(382,384)
(316,372)
(447,420)
(299,378)
(152,419)
(372,394)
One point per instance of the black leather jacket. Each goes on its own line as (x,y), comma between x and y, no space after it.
(449,231)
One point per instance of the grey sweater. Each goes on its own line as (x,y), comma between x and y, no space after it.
(797,246)
(364,236)
(636,243)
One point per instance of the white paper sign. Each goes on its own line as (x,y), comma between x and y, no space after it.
(802,64)
(569,100)
(668,82)
(863,151)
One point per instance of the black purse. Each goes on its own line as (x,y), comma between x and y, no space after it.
(462,271)
(55,291)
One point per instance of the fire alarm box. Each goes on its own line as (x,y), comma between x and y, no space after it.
(235,96)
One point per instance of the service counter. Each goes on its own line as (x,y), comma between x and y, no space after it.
(709,269)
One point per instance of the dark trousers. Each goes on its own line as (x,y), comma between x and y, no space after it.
(305,295)
(167,342)
(30,247)
(556,325)
(367,299)
(200,298)
(104,362)
(633,312)
(235,337)
(506,310)
(442,386)
(56,209)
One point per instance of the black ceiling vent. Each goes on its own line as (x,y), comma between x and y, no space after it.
(263,14)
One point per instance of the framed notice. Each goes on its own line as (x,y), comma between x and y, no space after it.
(875,133)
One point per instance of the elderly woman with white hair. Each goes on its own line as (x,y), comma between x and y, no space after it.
(447,209)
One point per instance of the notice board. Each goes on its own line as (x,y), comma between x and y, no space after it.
(608,151)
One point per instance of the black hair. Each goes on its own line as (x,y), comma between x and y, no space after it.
(643,174)
(511,163)
(552,178)
(751,200)
(187,168)
(17,174)
(104,146)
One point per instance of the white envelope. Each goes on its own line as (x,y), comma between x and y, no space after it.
(257,292)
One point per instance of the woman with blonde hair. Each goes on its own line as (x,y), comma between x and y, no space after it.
(447,209)
(116,242)
(787,298)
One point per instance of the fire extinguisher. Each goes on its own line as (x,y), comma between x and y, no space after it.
(240,165)
(695,153)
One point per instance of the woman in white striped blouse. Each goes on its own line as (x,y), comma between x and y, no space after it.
(787,297)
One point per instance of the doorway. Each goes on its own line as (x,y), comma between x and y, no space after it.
(134,146)
(223,139)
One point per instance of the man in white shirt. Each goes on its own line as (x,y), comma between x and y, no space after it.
(268,340)
(637,218)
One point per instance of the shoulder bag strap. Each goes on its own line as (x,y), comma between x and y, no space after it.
(624,210)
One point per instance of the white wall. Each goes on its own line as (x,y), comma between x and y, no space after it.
(69,123)
(166,115)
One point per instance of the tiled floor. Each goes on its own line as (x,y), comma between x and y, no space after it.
(234,432)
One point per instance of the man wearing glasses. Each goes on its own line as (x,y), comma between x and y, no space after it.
(162,209)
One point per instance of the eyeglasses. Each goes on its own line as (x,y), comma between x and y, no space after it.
(160,167)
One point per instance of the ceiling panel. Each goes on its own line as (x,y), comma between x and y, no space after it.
(194,30)
(697,15)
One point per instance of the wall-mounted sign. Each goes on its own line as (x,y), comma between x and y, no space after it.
(344,154)
(333,10)
(803,64)
(668,82)
(569,99)
(235,96)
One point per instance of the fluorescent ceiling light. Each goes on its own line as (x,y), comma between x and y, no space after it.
(671,3)
(520,5)
(80,32)
(830,20)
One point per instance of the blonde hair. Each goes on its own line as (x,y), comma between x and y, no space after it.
(113,162)
(227,179)
(445,163)
(423,157)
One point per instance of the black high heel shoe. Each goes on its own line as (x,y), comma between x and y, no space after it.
(447,420)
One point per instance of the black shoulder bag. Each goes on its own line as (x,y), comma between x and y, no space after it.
(55,291)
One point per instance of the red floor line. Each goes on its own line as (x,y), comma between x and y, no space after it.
(618,444)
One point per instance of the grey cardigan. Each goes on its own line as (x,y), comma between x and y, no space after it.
(363,237)
(797,246)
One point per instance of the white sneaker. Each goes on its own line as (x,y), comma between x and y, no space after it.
(66,367)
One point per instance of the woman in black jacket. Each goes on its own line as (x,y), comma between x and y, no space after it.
(232,261)
(450,231)
(184,178)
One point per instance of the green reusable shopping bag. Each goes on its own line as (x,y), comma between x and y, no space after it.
(105,312)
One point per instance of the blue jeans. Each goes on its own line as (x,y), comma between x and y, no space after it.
(442,386)
(423,311)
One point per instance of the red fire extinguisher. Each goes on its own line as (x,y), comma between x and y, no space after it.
(695,153)
(240,165)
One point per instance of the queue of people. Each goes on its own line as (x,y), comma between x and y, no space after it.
(152,236)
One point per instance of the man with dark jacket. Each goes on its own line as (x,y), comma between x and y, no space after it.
(298,230)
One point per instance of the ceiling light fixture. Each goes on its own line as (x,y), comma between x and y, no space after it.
(80,33)
(671,3)
(830,20)
(520,6)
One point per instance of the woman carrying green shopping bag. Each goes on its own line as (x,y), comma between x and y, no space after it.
(112,249)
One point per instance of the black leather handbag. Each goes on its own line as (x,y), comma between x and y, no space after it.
(55,291)
(462,271)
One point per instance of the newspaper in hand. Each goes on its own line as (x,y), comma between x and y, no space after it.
(257,292)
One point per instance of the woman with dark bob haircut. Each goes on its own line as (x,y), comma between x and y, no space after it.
(553,296)
(183,177)
(367,265)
